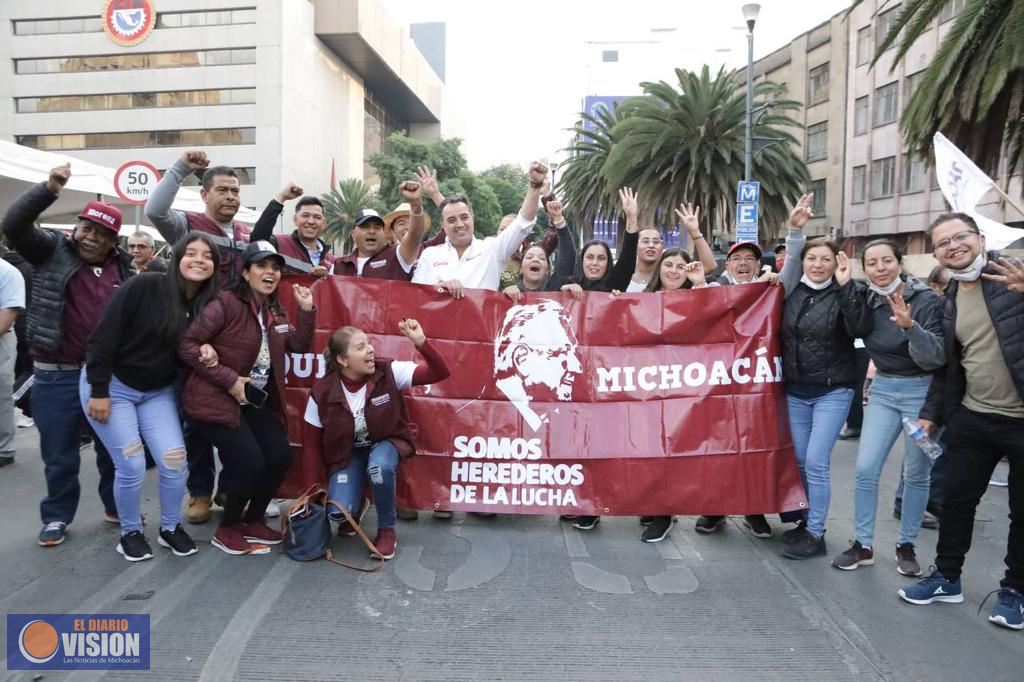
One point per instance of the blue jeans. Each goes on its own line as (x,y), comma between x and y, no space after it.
(815,424)
(378,464)
(57,409)
(137,416)
(891,399)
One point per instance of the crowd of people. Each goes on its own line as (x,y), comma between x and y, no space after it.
(164,362)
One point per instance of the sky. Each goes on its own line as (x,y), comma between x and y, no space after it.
(517,72)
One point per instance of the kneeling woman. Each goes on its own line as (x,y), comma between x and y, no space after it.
(127,387)
(238,406)
(361,424)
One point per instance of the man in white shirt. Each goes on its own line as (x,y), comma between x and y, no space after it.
(464,261)
(12,302)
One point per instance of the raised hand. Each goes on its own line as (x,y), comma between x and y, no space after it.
(695,273)
(1011,273)
(844,272)
(59,177)
(538,173)
(303,296)
(629,206)
(413,331)
(289,191)
(427,177)
(802,212)
(900,311)
(554,210)
(196,159)
(411,192)
(690,217)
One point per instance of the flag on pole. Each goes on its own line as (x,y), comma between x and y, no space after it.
(964,184)
(334,175)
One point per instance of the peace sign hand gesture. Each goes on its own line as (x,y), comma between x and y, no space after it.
(900,311)
(802,212)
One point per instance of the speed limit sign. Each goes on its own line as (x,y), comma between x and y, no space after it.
(135,180)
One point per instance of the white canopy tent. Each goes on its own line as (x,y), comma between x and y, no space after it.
(21,167)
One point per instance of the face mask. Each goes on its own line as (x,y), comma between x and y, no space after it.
(814,285)
(887,291)
(971,273)
(732,280)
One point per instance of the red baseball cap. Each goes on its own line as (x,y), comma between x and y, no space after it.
(102,214)
(745,245)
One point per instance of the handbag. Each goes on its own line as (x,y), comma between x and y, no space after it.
(307,529)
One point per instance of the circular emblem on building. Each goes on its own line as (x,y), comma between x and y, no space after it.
(129,22)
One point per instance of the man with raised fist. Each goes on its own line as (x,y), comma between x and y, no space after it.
(373,256)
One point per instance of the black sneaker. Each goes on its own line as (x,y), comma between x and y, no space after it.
(177,541)
(906,560)
(646,520)
(53,533)
(795,533)
(134,547)
(657,530)
(709,524)
(758,525)
(586,522)
(806,546)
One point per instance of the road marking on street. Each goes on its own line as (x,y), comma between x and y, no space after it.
(489,556)
(574,544)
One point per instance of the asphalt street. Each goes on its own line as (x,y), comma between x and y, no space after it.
(517,598)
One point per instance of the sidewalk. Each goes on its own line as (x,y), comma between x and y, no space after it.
(517,598)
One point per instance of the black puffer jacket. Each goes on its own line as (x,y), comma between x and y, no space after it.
(817,347)
(55,259)
(1006,308)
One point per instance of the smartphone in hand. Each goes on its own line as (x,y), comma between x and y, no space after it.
(256,397)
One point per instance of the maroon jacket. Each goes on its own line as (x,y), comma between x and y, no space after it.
(384,265)
(230,326)
(230,255)
(387,418)
(292,247)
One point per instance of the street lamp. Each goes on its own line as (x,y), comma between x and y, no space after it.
(750,12)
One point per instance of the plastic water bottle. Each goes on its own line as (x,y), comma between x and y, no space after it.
(920,436)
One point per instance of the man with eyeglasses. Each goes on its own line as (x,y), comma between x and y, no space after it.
(143,250)
(979,398)
(743,265)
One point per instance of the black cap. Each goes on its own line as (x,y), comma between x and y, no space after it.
(260,250)
(367,214)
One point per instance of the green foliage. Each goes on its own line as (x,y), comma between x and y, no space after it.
(973,90)
(405,155)
(581,182)
(341,205)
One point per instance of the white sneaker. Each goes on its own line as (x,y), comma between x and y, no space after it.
(25,422)
(274,509)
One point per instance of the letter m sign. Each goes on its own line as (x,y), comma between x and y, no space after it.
(748,192)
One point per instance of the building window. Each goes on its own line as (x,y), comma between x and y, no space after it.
(378,123)
(141,140)
(246,15)
(882,172)
(859,188)
(910,85)
(819,187)
(864,45)
(144,60)
(885,104)
(135,100)
(246,176)
(913,173)
(817,141)
(817,84)
(609,55)
(885,22)
(860,115)
(951,9)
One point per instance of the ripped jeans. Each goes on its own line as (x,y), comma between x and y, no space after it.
(377,465)
(137,416)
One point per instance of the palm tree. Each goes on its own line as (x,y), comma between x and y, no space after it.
(341,204)
(685,142)
(973,90)
(584,187)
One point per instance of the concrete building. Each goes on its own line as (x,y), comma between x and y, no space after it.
(279,89)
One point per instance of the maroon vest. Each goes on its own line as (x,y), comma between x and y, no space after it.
(230,249)
(384,265)
(386,416)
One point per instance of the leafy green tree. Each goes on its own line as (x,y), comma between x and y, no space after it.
(685,142)
(341,205)
(587,193)
(973,90)
(509,184)
(405,155)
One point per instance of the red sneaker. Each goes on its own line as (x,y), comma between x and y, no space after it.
(386,543)
(260,532)
(231,540)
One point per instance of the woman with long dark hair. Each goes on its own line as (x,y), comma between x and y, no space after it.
(595,270)
(238,405)
(127,387)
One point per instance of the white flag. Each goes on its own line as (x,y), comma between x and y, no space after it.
(964,184)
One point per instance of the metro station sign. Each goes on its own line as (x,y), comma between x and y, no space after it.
(129,22)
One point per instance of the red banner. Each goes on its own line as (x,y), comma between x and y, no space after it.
(632,405)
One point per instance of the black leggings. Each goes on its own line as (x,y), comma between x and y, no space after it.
(257,454)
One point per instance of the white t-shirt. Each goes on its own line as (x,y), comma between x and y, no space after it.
(12,286)
(402,370)
(360,262)
(635,287)
(481,263)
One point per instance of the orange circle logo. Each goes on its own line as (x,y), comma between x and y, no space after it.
(129,22)
(38,641)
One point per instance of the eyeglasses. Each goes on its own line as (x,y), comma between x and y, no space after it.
(958,238)
(742,259)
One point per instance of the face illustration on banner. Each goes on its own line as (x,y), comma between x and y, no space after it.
(535,358)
